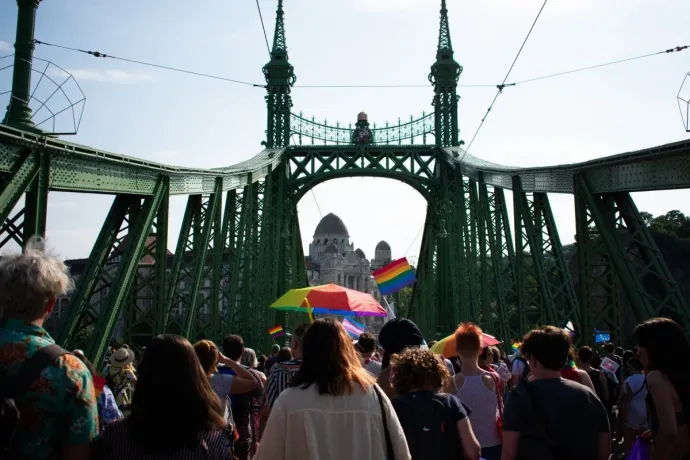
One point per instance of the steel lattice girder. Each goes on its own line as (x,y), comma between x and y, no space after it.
(114,260)
(82,169)
(648,284)
(309,166)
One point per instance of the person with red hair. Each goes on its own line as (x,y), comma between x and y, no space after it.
(478,390)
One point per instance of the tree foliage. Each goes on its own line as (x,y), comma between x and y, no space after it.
(674,223)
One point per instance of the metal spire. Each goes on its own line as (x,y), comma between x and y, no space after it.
(279,44)
(444,43)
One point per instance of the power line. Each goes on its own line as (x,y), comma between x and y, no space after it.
(317,203)
(388,86)
(149,64)
(268,47)
(415,239)
(567,72)
(502,85)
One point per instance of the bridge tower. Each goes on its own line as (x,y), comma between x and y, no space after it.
(444,75)
(280,76)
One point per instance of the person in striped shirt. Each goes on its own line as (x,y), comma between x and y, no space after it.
(281,374)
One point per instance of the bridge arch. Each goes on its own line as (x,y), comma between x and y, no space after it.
(307,167)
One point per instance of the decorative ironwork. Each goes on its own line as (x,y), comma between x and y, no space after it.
(57,101)
(305,131)
(684,102)
(472,264)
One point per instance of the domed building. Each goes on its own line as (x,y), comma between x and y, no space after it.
(334,259)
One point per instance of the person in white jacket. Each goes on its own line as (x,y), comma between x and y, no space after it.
(333,409)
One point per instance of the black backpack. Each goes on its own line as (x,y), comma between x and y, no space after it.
(17,385)
(429,430)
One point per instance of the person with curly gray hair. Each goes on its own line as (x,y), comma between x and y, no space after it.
(52,389)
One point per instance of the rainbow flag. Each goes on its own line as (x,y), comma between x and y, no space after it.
(515,346)
(276,331)
(394,276)
(353,328)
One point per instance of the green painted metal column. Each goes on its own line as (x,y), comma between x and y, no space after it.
(36,199)
(18,113)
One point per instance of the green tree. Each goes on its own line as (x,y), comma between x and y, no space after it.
(647,218)
(403,298)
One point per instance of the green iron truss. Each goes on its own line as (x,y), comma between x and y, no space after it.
(240,244)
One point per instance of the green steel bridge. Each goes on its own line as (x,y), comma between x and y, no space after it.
(240,234)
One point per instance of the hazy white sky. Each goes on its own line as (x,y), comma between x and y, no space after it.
(186,120)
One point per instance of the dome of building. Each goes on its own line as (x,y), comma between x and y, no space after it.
(331,225)
(330,249)
(353,258)
(361,254)
(383,246)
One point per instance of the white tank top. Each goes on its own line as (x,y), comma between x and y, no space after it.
(484,406)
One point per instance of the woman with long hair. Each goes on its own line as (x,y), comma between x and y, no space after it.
(333,409)
(108,412)
(209,358)
(664,351)
(175,412)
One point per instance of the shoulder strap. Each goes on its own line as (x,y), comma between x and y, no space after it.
(384,417)
(31,369)
(542,427)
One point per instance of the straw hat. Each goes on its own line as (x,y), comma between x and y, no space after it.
(122,357)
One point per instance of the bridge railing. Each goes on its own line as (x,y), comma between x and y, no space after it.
(308,131)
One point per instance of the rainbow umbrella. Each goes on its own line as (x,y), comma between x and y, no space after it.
(446,346)
(329,299)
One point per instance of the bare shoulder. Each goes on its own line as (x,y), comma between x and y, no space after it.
(489,381)
(656,378)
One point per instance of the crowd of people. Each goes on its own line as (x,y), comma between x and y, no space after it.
(385,397)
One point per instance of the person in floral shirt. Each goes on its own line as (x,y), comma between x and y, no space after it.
(59,416)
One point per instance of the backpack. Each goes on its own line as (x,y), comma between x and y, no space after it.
(526,370)
(430,433)
(17,385)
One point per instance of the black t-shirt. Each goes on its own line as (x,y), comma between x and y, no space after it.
(571,414)
(456,409)
(428,419)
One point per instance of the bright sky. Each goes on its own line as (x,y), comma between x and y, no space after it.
(186,120)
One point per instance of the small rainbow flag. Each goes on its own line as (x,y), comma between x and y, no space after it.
(276,331)
(394,276)
(515,346)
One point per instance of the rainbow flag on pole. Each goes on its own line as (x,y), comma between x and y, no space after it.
(276,331)
(394,276)
(353,328)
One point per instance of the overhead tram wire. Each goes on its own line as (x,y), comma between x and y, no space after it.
(503,85)
(415,239)
(261,17)
(605,64)
(261,85)
(98,54)
(317,202)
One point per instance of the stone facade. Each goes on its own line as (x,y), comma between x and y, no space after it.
(334,259)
